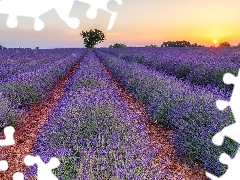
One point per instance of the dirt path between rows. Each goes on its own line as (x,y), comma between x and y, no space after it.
(161,137)
(26,133)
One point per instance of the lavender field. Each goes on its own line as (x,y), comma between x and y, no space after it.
(92,128)
(186,108)
(26,75)
(201,66)
(95,134)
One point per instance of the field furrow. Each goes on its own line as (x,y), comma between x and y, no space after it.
(96,135)
(166,157)
(188,110)
(198,66)
(106,117)
(20,90)
(25,133)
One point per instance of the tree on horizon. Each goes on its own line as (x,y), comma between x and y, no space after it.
(92,37)
(118,45)
(224,44)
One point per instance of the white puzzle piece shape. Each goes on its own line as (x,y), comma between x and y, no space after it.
(8,132)
(26,8)
(101,4)
(231,131)
(3,165)
(233,167)
(36,8)
(18,176)
(44,170)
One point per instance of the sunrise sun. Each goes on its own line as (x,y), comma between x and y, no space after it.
(215,41)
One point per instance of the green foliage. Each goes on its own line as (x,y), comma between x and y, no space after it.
(194,45)
(176,44)
(139,60)
(117,45)
(151,45)
(150,62)
(69,167)
(89,82)
(92,119)
(161,114)
(182,43)
(8,115)
(224,44)
(22,93)
(134,83)
(92,37)
(230,146)
(182,71)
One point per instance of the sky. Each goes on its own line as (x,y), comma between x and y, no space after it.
(139,23)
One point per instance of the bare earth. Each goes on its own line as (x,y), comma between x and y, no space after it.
(161,137)
(25,134)
(37,115)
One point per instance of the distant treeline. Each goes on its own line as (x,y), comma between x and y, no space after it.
(182,43)
(117,45)
(1,47)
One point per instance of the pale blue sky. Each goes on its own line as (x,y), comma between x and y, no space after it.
(139,23)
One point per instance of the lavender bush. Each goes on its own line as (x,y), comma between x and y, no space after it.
(199,66)
(8,112)
(188,110)
(24,89)
(93,132)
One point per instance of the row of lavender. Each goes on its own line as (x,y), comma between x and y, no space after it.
(16,55)
(200,66)
(19,91)
(93,132)
(188,110)
(14,62)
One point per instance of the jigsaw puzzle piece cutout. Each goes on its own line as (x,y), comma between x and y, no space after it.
(233,129)
(63,8)
(8,132)
(229,78)
(221,105)
(44,170)
(113,6)
(12,21)
(18,176)
(38,24)
(100,4)
(3,165)
(233,167)
(36,8)
(26,8)
(230,131)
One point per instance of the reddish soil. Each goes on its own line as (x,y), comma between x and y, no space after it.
(26,133)
(161,137)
